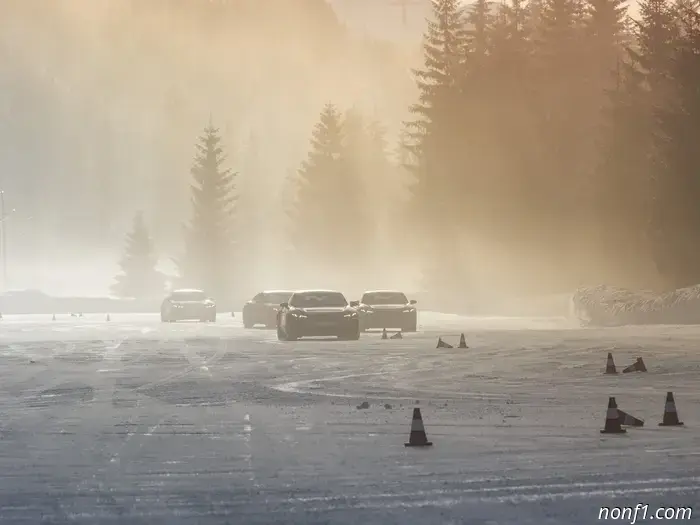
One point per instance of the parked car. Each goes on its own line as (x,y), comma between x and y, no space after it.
(318,313)
(262,309)
(188,304)
(387,309)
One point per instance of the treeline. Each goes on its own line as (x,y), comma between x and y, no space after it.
(563,129)
(553,143)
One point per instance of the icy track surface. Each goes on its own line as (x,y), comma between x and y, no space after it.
(135,422)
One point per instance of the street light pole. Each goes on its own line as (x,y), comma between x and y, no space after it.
(4,239)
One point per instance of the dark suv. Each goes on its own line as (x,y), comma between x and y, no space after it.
(318,313)
(262,309)
(388,309)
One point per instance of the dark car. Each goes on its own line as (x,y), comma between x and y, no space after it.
(262,309)
(388,309)
(187,304)
(317,313)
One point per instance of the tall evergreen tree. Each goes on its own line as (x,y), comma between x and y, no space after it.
(209,243)
(139,278)
(677,192)
(328,217)
(437,137)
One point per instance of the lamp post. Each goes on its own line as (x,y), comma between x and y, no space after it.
(3,233)
(4,239)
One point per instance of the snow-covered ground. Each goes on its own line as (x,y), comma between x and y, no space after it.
(133,422)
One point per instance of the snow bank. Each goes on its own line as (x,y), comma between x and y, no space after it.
(611,306)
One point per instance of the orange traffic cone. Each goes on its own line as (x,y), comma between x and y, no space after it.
(670,413)
(637,366)
(397,335)
(443,344)
(612,419)
(462,342)
(610,366)
(418,438)
(628,420)
(384,334)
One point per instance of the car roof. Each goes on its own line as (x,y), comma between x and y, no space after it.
(290,292)
(318,291)
(382,291)
(187,290)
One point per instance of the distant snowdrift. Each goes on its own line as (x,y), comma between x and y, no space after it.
(611,306)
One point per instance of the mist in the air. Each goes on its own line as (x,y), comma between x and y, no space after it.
(523,188)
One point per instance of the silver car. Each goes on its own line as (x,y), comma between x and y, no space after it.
(188,304)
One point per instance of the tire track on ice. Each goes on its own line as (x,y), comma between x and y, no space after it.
(523,493)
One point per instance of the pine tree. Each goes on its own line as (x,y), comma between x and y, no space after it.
(438,138)
(209,245)
(139,278)
(328,217)
(677,191)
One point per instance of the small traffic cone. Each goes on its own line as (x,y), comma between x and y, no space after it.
(628,420)
(108,318)
(612,419)
(462,342)
(670,413)
(53,317)
(443,344)
(384,334)
(637,366)
(418,438)
(397,335)
(610,366)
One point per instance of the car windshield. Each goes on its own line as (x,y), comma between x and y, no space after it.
(318,299)
(188,295)
(275,298)
(384,298)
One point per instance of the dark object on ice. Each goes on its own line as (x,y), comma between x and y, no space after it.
(670,413)
(108,318)
(443,344)
(314,313)
(262,309)
(384,334)
(462,342)
(637,366)
(397,335)
(363,405)
(612,419)
(610,365)
(387,309)
(388,406)
(628,420)
(188,304)
(418,437)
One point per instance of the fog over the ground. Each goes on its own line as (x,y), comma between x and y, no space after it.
(102,102)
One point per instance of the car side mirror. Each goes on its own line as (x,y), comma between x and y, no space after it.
(284,305)
(413,301)
(354,304)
